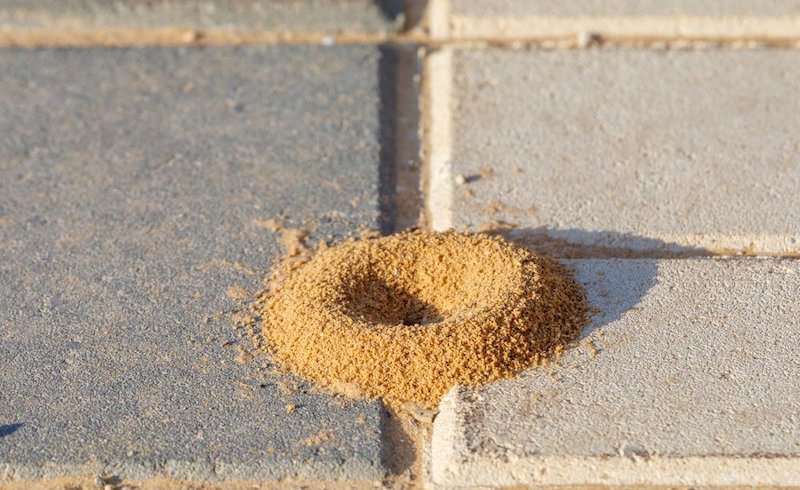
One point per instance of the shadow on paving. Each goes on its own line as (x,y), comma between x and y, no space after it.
(629,283)
(632,279)
(390,8)
(399,195)
(387,185)
(573,243)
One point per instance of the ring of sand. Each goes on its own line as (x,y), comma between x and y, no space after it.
(408,316)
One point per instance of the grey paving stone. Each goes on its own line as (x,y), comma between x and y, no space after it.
(688,376)
(292,16)
(644,19)
(131,179)
(667,150)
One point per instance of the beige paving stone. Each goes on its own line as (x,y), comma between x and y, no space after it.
(681,151)
(626,19)
(688,375)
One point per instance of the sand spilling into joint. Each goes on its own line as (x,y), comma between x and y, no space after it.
(408,316)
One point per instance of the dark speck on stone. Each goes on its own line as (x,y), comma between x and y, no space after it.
(8,429)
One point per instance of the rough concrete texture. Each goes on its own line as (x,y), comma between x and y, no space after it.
(644,19)
(293,16)
(132,185)
(688,375)
(629,148)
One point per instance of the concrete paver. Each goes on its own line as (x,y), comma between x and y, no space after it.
(644,149)
(688,375)
(176,21)
(626,19)
(132,185)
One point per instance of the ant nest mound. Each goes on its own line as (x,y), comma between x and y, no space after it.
(408,316)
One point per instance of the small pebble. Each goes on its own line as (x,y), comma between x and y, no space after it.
(587,38)
(423,415)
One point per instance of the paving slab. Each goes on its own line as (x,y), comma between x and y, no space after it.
(641,149)
(25,21)
(688,375)
(626,19)
(136,184)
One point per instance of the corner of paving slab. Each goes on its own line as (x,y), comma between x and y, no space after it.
(445,438)
(689,382)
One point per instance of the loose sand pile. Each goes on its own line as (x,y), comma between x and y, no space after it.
(408,316)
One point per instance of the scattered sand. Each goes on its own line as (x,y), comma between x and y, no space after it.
(316,439)
(408,316)
(224,263)
(237,293)
(243,356)
(292,239)
(269,224)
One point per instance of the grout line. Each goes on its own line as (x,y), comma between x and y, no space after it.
(400,190)
(407,199)
(588,39)
(400,193)
(175,36)
(406,437)
(438,37)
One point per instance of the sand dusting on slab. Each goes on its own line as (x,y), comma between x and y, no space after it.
(408,316)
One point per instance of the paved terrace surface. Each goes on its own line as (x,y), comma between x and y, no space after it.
(148,148)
